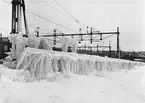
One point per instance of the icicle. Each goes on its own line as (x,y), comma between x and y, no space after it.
(42,63)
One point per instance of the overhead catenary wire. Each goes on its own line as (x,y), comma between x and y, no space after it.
(108,36)
(45,19)
(49,20)
(6,2)
(54,22)
(40,28)
(58,11)
(55,9)
(69,14)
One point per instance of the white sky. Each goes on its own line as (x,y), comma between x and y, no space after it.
(104,15)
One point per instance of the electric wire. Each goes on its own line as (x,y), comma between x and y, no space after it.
(69,14)
(44,18)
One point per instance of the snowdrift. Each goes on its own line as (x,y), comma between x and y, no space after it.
(40,63)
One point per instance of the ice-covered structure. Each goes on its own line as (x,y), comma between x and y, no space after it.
(39,42)
(66,41)
(40,63)
(18,44)
(33,41)
(45,43)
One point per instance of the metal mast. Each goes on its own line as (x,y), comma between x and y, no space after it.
(17,7)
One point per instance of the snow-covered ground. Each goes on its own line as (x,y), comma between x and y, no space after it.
(126,86)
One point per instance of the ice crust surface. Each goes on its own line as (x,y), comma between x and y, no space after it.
(40,63)
(125,86)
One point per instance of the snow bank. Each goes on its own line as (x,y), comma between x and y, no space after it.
(40,63)
(118,87)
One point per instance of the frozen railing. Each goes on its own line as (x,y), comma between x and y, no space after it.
(41,63)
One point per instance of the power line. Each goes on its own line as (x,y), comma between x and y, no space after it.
(44,18)
(64,9)
(96,30)
(49,20)
(55,8)
(108,36)
(40,28)
(72,18)
(69,14)
(6,2)
(54,22)
(36,27)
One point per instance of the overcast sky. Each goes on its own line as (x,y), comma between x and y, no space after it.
(103,15)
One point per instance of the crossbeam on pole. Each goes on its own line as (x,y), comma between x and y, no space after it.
(107,33)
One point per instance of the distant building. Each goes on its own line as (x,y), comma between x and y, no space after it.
(0,35)
(5,46)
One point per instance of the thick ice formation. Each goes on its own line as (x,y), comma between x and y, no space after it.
(33,41)
(42,62)
(45,43)
(18,44)
(69,42)
(39,42)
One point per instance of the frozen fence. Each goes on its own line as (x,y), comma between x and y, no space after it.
(42,62)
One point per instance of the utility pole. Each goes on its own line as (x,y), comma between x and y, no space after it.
(37,32)
(54,37)
(101,36)
(81,36)
(118,49)
(109,48)
(97,49)
(91,35)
